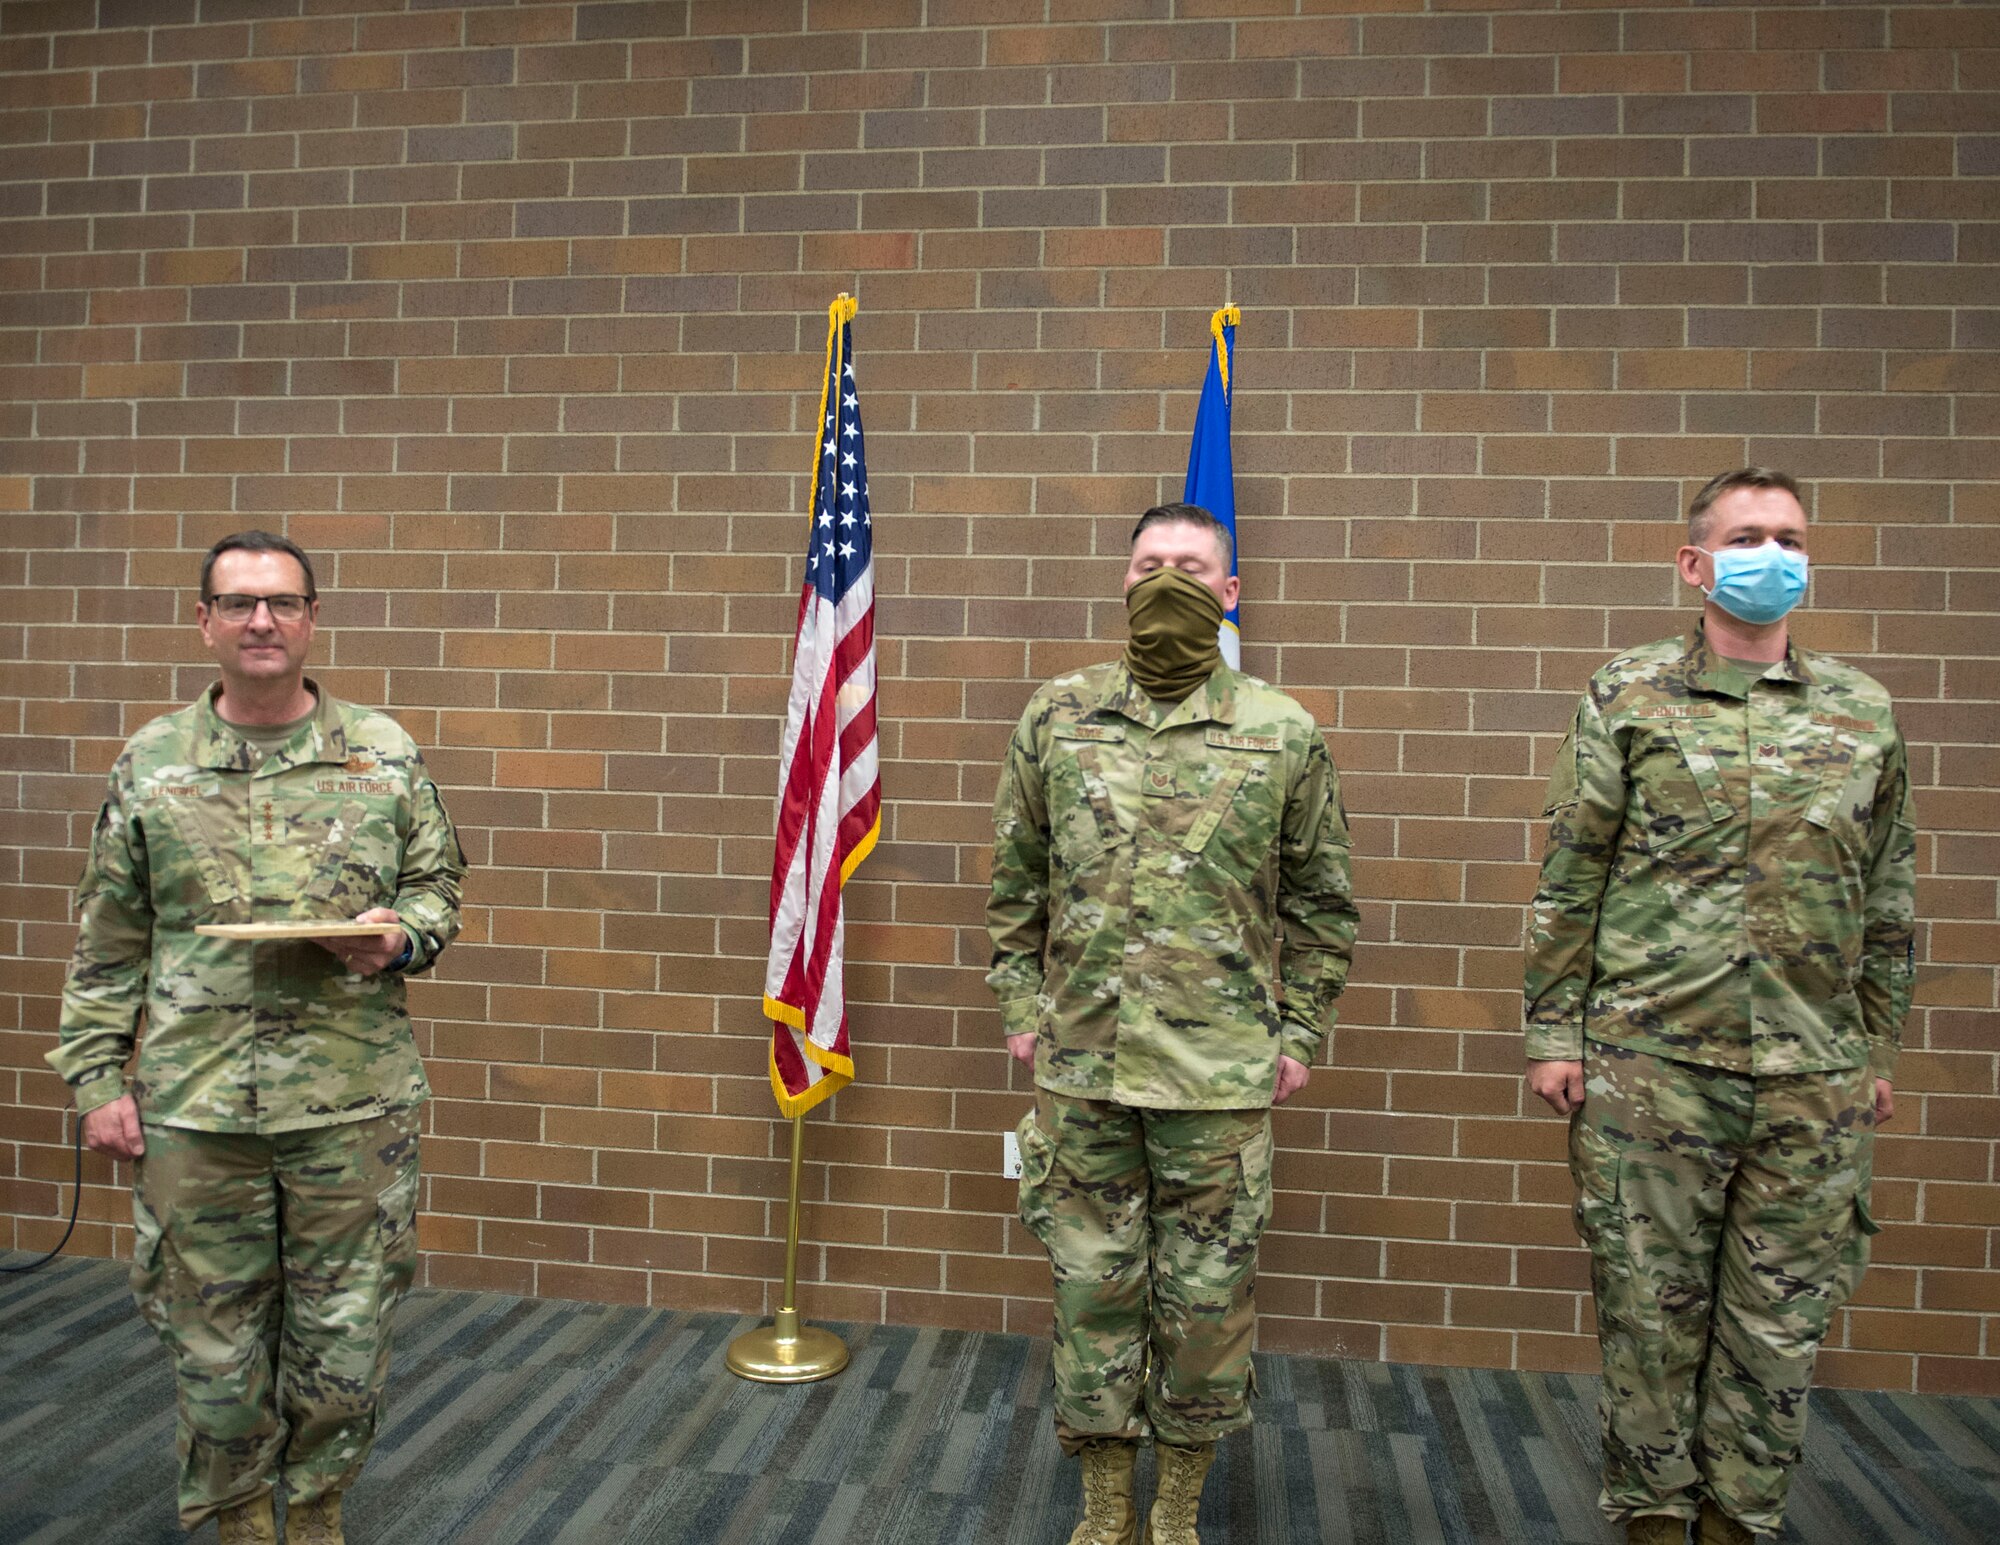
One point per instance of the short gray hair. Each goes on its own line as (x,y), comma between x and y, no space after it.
(257,542)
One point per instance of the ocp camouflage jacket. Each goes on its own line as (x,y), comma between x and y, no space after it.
(1144,857)
(266,1036)
(1728,879)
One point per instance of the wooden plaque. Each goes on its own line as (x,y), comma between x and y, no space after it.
(305,928)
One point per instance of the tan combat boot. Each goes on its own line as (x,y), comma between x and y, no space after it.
(1177,1498)
(248,1523)
(1108,1515)
(316,1522)
(1656,1529)
(1718,1528)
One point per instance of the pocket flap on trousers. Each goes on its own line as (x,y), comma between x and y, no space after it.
(1038,1150)
(1593,1159)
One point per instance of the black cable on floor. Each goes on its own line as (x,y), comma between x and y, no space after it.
(75,1199)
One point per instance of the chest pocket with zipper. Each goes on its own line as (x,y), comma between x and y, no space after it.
(1677,783)
(1083,818)
(1237,825)
(354,867)
(189,874)
(1844,803)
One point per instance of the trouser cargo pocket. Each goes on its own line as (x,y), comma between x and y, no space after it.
(1038,1159)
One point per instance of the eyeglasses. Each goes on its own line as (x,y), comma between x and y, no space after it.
(241,608)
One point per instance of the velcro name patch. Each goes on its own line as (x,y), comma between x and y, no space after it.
(353,786)
(1675,711)
(1103,732)
(1233,742)
(1841,721)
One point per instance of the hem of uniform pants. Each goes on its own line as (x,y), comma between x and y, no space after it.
(302,1494)
(1210,1432)
(1629,1515)
(1073,1442)
(1773,1529)
(192,1518)
(1214,1431)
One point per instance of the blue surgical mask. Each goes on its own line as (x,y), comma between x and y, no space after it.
(1758,584)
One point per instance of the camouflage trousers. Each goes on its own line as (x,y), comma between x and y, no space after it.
(270,1267)
(1727,1218)
(1151,1219)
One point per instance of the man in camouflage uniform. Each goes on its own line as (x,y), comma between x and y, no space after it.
(1719,961)
(274,1109)
(1158,817)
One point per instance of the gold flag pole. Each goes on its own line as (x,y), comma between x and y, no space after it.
(786,1352)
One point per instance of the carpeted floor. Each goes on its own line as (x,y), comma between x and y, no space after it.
(516,1420)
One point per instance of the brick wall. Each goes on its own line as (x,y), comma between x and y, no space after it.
(513,315)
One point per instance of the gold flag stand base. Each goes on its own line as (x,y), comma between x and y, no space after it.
(786,1352)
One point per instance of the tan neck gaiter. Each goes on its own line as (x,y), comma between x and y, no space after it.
(1174,621)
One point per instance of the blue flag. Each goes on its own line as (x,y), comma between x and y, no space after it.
(1211,475)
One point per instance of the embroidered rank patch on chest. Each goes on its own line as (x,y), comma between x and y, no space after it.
(1233,742)
(1841,721)
(1099,732)
(353,786)
(1675,711)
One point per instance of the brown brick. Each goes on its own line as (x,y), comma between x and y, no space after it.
(524,339)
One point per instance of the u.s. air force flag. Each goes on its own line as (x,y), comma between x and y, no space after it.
(1211,474)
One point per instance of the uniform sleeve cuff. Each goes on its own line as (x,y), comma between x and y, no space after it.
(1882,1062)
(99,1092)
(1298,1043)
(1020,1016)
(424,941)
(1555,1043)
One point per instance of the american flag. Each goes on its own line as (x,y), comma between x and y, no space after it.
(830,785)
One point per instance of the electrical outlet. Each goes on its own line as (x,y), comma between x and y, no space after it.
(1010,1156)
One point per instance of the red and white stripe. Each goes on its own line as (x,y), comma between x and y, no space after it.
(829,816)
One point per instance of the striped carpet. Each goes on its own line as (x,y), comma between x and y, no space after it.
(514,1420)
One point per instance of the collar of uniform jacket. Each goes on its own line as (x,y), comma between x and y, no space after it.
(1215,699)
(213,744)
(1703,668)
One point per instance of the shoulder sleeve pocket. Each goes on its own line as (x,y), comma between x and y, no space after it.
(93,878)
(1562,778)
